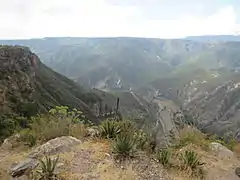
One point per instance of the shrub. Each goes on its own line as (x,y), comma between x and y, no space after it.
(6,128)
(47,127)
(109,129)
(78,130)
(141,138)
(27,136)
(47,168)
(124,145)
(163,156)
(190,135)
(63,112)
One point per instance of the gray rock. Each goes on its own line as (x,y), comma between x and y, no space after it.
(237,171)
(93,132)
(221,150)
(10,142)
(55,146)
(23,167)
(52,147)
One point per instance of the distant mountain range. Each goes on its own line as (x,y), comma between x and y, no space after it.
(199,74)
(214,38)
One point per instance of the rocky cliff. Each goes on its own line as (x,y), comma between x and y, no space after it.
(27,86)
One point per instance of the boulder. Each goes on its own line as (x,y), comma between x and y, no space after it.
(55,146)
(237,171)
(10,142)
(221,150)
(93,132)
(23,167)
(52,147)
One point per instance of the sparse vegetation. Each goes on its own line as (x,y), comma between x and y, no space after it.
(163,156)
(28,137)
(60,121)
(190,135)
(191,162)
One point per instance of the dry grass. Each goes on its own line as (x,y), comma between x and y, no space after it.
(215,168)
(190,135)
(6,161)
(111,172)
(78,130)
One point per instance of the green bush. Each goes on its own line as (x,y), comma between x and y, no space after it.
(7,127)
(142,139)
(163,156)
(124,145)
(64,112)
(28,137)
(109,129)
(47,168)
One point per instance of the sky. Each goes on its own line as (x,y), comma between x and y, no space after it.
(110,18)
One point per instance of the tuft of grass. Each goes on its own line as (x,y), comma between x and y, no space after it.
(191,161)
(163,156)
(47,168)
(109,129)
(124,146)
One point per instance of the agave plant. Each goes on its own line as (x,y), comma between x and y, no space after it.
(47,168)
(124,145)
(191,160)
(163,156)
(109,129)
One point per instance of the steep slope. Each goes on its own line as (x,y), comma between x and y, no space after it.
(211,98)
(27,86)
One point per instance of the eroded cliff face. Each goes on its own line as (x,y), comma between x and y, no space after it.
(212,101)
(216,110)
(27,86)
(17,74)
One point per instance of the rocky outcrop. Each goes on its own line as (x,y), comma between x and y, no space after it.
(28,87)
(221,150)
(52,147)
(216,110)
(10,142)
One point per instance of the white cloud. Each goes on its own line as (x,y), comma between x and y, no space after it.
(41,18)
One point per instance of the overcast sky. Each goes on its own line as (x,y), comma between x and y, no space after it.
(141,18)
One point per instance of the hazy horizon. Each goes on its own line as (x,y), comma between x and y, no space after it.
(112,18)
